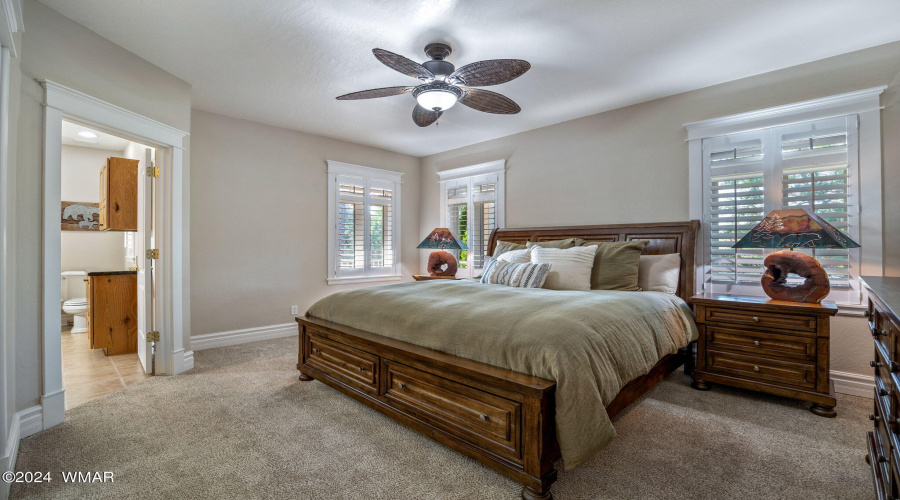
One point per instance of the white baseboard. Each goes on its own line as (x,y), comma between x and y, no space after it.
(24,424)
(188,360)
(31,421)
(222,339)
(853,384)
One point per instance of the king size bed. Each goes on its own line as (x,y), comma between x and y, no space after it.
(515,378)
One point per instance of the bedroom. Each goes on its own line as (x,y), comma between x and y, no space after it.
(601,139)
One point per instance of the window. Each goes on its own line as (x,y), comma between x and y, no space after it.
(364,224)
(472,206)
(814,163)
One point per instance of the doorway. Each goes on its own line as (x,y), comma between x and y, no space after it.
(168,290)
(104,224)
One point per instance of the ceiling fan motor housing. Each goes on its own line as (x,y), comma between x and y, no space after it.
(439,68)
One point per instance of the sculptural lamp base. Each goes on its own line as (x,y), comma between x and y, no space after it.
(814,288)
(436,263)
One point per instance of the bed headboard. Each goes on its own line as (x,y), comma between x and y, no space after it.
(664,237)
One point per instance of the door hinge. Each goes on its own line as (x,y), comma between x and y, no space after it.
(153,253)
(152,171)
(152,336)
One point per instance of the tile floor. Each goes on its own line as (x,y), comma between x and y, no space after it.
(89,374)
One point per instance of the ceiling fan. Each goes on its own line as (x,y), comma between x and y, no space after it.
(443,85)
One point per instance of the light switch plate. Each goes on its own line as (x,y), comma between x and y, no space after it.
(295,309)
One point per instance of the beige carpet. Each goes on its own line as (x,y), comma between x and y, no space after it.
(240,425)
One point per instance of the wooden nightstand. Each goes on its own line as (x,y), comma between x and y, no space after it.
(765,345)
(426,277)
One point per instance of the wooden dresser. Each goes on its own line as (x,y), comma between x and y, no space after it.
(883,314)
(765,345)
(112,311)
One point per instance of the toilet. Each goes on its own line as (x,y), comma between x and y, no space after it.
(74,302)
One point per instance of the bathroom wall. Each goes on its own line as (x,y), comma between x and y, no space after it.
(88,250)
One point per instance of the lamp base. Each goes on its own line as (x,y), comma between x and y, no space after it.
(814,288)
(436,263)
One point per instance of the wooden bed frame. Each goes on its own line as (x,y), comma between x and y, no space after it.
(503,419)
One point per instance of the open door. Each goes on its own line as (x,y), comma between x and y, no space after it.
(143,242)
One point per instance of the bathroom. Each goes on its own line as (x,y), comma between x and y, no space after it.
(100,172)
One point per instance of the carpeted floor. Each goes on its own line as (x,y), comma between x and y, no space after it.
(241,425)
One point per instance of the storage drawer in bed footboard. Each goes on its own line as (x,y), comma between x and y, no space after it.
(358,369)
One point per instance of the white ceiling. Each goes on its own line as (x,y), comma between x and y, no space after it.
(282,62)
(104,141)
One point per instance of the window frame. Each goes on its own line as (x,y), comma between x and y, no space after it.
(469,174)
(368,176)
(865,105)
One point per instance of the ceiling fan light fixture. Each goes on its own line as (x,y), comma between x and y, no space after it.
(437,96)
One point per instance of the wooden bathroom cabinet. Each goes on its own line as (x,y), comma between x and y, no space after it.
(112,311)
(119,195)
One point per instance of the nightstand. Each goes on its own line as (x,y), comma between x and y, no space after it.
(426,277)
(765,345)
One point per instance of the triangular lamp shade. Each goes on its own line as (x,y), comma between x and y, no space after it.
(442,239)
(795,228)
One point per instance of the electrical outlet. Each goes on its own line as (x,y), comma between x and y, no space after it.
(295,309)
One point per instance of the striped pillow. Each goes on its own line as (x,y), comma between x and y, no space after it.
(518,274)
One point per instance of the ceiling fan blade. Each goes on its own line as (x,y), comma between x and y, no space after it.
(406,66)
(493,72)
(489,102)
(373,93)
(424,117)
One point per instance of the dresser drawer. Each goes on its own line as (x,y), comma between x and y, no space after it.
(795,323)
(351,366)
(760,343)
(777,371)
(484,420)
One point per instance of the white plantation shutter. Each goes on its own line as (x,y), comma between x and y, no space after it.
(364,230)
(804,165)
(472,208)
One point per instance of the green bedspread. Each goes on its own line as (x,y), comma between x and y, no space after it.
(590,343)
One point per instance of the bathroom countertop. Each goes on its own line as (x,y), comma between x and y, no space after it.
(110,273)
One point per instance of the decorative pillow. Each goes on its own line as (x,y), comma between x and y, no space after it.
(505,246)
(486,271)
(571,267)
(659,273)
(616,265)
(566,243)
(518,256)
(521,275)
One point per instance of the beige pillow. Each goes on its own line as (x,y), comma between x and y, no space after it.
(570,268)
(516,256)
(659,273)
(616,265)
(566,243)
(505,246)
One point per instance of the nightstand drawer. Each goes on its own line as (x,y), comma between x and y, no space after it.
(757,367)
(793,322)
(761,343)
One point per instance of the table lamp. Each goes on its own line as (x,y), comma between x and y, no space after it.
(442,239)
(795,228)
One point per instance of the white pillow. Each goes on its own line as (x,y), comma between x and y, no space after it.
(570,267)
(516,256)
(659,273)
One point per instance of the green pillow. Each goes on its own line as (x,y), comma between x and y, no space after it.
(616,265)
(566,243)
(505,246)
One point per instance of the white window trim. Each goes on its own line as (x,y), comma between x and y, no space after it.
(492,167)
(863,103)
(336,168)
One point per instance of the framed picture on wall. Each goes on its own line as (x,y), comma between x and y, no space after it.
(80,216)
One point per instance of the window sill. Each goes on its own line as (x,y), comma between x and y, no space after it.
(364,279)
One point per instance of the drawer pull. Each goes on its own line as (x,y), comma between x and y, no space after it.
(317,351)
(874,418)
(401,385)
(755,342)
(875,364)
(867,313)
(883,392)
(876,333)
(361,368)
(485,418)
(756,319)
(882,459)
(755,368)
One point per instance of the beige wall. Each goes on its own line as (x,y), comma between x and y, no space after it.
(258,219)
(87,250)
(56,48)
(631,164)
